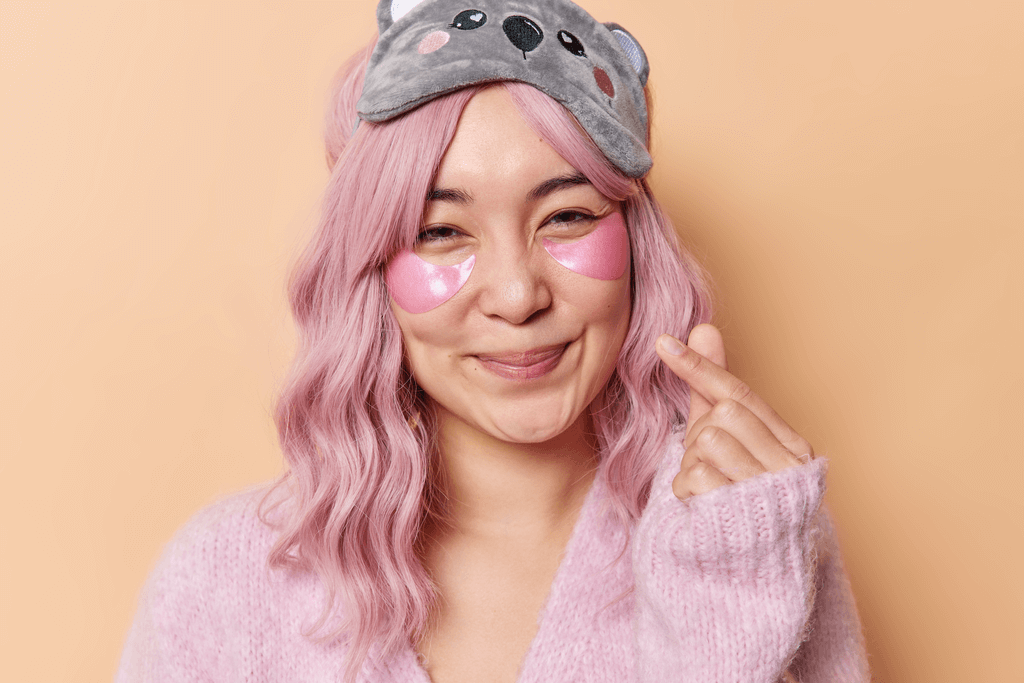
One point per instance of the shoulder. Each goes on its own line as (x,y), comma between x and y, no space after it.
(211,587)
(220,552)
(230,517)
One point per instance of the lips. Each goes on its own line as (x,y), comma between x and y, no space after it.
(524,364)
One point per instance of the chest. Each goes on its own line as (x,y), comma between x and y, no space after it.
(518,614)
(492,596)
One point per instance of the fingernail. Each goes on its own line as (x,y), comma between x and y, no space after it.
(671,345)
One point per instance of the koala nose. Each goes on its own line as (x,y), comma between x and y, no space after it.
(523,33)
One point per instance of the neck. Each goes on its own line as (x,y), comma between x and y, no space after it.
(494,488)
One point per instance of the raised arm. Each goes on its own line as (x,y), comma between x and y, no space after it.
(738,576)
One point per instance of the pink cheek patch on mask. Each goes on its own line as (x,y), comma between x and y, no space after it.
(418,286)
(431,42)
(602,255)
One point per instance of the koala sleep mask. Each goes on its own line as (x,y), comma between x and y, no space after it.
(428,48)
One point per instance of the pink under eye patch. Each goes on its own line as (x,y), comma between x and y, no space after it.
(602,255)
(418,286)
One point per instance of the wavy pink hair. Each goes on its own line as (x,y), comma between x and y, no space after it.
(360,479)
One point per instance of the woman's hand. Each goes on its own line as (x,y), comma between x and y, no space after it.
(731,434)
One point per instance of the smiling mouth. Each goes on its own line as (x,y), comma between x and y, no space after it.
(524,365)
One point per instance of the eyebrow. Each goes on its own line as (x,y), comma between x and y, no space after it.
(542,190)
(556,184)
(447,195)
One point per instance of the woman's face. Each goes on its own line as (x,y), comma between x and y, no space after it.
(526,343)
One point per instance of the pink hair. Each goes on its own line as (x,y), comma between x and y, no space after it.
(360,479)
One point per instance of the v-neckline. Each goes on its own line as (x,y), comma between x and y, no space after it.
(408,660)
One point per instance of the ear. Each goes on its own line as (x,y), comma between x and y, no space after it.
(390,11)
(634,53)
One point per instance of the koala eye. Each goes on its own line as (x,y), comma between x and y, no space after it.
(469,19)
(571,43)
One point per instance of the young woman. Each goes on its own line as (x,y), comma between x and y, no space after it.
(503,462)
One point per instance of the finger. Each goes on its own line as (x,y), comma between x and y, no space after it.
(696,480)
(716,384)
(725,453)
(740,424)
(707,341)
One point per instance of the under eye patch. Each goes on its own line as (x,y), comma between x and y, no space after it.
(602,255)
(418,286)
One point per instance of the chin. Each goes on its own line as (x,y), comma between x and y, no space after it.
(525,434)
(532,425)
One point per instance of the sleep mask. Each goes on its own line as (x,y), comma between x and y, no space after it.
(428,48)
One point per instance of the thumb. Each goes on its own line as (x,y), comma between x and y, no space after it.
(706,340)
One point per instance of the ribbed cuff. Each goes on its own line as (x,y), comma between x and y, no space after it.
(737,529)
(725,580)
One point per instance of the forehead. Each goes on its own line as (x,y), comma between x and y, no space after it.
(494,146)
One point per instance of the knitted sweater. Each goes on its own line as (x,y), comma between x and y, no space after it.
(734,586)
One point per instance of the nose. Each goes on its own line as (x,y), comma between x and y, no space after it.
(513,287)
(524,33)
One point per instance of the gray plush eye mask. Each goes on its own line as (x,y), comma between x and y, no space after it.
(428,48)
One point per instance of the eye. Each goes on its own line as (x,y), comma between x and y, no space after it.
(571,43)
(469,19)
(572,216)
(436,234)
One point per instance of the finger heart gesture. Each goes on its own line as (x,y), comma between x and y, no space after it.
(731,434)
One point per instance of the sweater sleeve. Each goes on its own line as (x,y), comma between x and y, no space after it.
(743,583)
(181,630)
(173,624)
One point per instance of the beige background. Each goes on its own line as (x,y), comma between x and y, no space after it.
(851,172)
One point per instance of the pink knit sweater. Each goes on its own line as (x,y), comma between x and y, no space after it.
(733,586)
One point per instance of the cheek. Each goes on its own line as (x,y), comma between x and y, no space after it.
(430,342)
(606,308)
(602,255)
(418,286)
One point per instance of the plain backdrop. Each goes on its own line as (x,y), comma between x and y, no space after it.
(851,172)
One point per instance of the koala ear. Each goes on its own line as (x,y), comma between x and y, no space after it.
(633,51)
(390,11)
